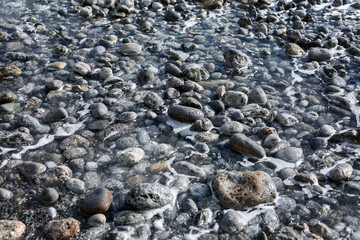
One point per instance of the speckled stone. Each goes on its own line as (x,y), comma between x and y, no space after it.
(238,190)
(11,230)
(130,156)
(149,196)
(63,228)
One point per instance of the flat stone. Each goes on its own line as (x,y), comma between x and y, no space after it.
(98,201)
(31,169)
(294,50)
(319,54)
(286,120)
(57,65)
(73,153)
(185,114)
(130,49)
(74,141)
(63,228)
(290,154)
(10,70)
(82,68)
(10,229)
(130,156)
(238,190)
(190,169)
(10,107)
(196,72)
(207,137)
(236,59)
(149,196)
(56,115)
(350,136)
(242,144)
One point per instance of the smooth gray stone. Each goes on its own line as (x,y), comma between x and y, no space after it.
(241,143)
(185,114)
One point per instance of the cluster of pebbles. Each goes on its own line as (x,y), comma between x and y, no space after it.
(210,119)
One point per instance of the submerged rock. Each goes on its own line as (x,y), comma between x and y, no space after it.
(196,73)
(149,196)
(185,114)
(236,59)
(131,49)
(240,190)
(341,172)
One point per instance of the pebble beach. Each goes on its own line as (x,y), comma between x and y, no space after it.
(179,120)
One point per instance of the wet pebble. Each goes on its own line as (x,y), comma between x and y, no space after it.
(238,190)
(341,172)
(290,154)
(131,49)
(286,120)
(319,54)
(55,115)
(196,72)
(31,169)
(190,169)
(5,194)
(235,99)
(75,185)
(75,153)
(149,196)
(96,220)
(242,144)
(231,128)
(98,201)
(98,109)
(49,195)
(185,114)
(63,228)
(82,68)
(232,222)
(236,59)
(130,156)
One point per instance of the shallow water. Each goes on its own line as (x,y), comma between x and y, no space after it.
(287,82)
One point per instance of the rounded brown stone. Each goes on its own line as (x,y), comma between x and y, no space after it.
(99,201)
(239,190)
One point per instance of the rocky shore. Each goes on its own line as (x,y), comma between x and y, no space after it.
(174,119)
